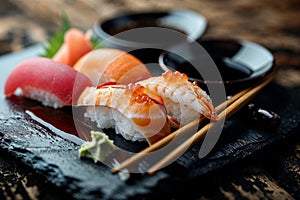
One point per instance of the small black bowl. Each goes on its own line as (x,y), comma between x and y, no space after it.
(145,34)
(240,63)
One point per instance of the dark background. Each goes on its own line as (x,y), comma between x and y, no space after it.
(273,174)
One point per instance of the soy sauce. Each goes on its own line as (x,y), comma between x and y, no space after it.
(142,24)
(239,64)
(229,70)
(262,117)
(70,123)
(61,119)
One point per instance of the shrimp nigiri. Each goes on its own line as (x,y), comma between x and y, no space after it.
(184,100)
(131,110)
(42,79)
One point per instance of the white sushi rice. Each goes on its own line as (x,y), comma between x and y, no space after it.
(106,117)
(46,98)
(182,113)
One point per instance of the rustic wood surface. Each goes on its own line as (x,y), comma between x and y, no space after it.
(274,24)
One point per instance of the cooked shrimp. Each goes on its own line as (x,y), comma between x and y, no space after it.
(134,112)
(184,100)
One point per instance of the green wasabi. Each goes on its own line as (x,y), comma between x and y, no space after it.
(97,149)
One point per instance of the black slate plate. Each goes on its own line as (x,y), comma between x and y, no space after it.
(56,159)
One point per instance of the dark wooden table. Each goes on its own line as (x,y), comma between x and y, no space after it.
(274,173)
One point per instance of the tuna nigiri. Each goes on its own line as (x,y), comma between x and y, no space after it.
(47,81)
(131,110)
(112,65)
(75,45)
(184,100)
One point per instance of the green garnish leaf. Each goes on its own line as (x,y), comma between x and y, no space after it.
(54,43)
(96,42)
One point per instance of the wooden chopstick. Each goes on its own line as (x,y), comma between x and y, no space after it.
(229,111)
(235,103)
(181,130)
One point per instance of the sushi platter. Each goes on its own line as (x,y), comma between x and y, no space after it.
(43,133)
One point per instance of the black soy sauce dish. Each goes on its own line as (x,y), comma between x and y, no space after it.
(145,34)
(240,63)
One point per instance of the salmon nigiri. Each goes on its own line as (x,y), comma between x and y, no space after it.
(47,81)
(112,65)
(132,110)
(75,45)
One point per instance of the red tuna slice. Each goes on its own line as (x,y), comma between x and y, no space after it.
(47,81)
(75,45)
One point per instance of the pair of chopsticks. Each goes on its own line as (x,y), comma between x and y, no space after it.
(225,110)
